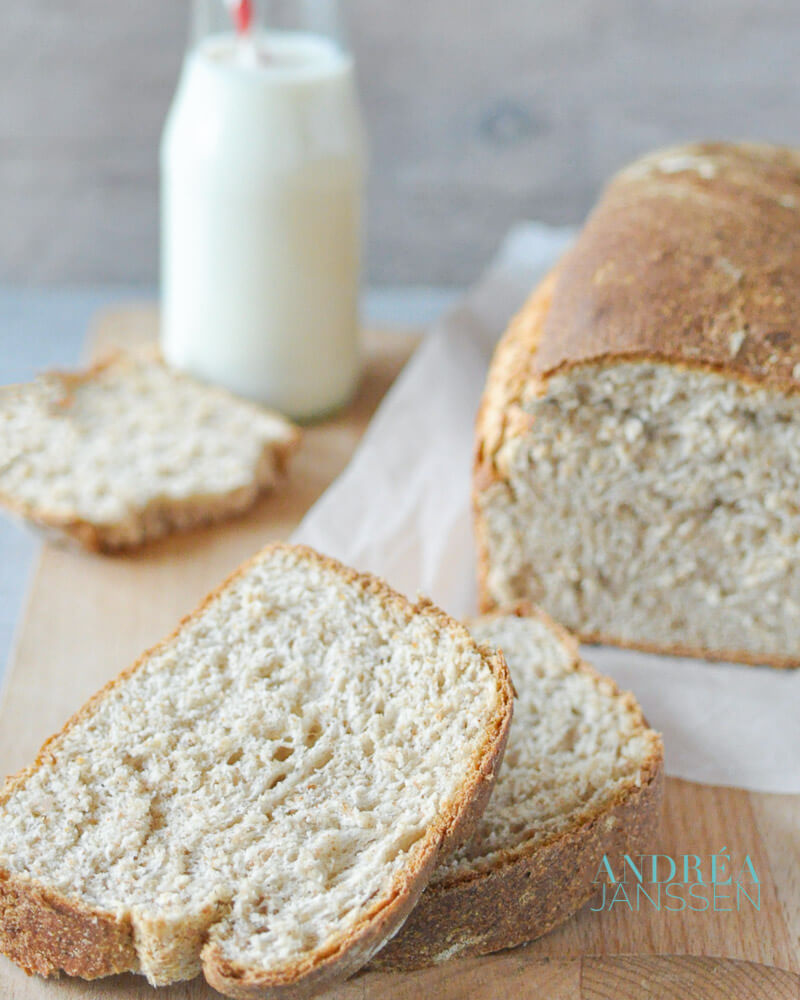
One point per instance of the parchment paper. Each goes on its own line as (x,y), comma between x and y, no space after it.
(401,509)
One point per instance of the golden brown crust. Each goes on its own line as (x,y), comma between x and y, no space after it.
(511,379)
(528,890)
(163,516)
(46,932)
(679,649)
(501,415)
(670,266)
(692,255)
(527,897)
(696,265)
(338,962)
(156,520)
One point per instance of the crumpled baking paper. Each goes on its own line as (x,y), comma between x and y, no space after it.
(402,509)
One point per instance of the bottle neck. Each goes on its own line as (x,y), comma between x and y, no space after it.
(312,17)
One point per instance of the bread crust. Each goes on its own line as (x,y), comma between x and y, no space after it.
(501,418)
(698,272)
(692,255)
(526,898)
(46,932)
(500,414)
(163,516)
(527,891)
(695,652)
(643,282)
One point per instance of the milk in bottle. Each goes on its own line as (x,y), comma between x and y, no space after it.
(262,166)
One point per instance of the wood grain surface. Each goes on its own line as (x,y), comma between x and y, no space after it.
(89,616)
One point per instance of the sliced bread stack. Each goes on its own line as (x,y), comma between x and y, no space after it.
(263,796)
(582,777)
(131,450)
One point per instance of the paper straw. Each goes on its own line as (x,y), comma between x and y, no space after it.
(242,14)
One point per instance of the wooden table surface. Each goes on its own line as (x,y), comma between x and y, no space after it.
(88,616)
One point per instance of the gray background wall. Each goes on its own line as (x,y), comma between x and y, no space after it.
(479,114)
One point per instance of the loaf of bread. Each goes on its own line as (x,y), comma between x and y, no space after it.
(636,469)
(582,777)
(131,450)
(262,796)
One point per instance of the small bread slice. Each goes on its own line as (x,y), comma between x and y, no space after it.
(262,796)
(131,450)
(582,777)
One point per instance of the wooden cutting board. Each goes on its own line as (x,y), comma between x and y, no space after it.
(89,616)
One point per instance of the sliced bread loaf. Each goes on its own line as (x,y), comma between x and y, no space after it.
(636,470)
(262,796)
(582,777)
(131,449)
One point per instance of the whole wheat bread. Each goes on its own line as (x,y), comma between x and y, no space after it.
(582,777)
(262,796)
(131,450)
(636,470)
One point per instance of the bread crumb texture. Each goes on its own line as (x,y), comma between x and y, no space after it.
(577,746)
(266,778)
(134,449)
(653,504)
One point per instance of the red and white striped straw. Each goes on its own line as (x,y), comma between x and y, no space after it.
(242,14)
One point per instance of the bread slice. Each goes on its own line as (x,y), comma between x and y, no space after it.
(636,470)
(582,777)
(131,449)
(262,796)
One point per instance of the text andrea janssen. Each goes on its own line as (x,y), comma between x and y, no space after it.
(684,882)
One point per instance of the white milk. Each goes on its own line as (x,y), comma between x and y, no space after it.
(262,167)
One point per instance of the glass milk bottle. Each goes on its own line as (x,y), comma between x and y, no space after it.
(262,176)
